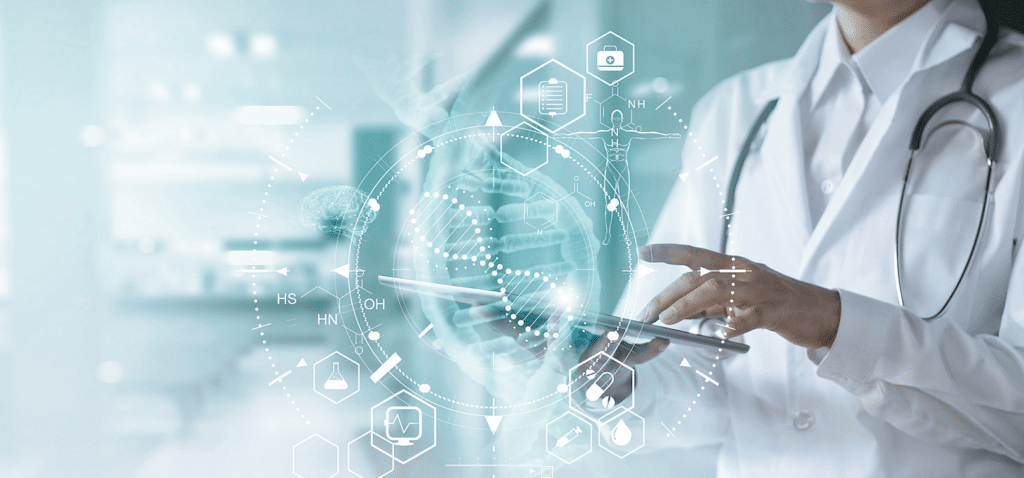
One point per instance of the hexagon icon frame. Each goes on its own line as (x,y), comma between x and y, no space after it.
(589,433)
(613,422)
(316,387)
(530,128)
(533,221)
(394,453)
(582,409)
(350,454)
(592,57)
(337,456)
(525,79)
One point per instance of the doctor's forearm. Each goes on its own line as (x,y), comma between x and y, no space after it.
(932,380)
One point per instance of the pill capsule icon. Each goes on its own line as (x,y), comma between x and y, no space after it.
(603,382)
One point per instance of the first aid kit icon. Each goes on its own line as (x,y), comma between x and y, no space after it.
(610,59)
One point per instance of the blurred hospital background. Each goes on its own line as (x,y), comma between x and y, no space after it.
(127,170)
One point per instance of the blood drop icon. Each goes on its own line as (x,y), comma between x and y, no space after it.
(621,434)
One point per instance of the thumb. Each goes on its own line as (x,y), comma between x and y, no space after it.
(633,354)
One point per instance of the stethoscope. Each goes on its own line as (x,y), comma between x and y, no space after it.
(991,141)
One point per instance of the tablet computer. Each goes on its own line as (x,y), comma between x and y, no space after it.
(626,327)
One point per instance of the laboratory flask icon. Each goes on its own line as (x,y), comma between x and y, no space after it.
(336,381)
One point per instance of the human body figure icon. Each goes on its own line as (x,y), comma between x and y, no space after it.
(617,140)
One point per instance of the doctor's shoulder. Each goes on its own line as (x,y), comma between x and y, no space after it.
(1001,83)
(742,94)
(1005,64)
(721,117)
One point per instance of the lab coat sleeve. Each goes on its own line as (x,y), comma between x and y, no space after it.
(933,380)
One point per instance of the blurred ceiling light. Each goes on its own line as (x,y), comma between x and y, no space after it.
(251,258)
(191,93)
(270,115)
(132,138)
(109,372)
(159,92)
(659,85)
(656,86)
(537,46)
(220,45)
(147,245)
(92,136)
(262,45)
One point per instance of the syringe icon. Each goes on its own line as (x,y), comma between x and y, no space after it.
(568,437)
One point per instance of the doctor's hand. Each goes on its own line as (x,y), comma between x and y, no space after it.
(755,297)
(621,385)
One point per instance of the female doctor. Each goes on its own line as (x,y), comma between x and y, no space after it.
(841,379)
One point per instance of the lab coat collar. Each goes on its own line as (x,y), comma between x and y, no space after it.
(833,55)
(886,62)
(959,29)
(802,66)
(782,147)
(962,25)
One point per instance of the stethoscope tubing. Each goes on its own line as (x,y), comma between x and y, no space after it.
(991,141)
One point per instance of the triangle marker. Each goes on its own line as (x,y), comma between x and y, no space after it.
(493,120)
(303,176)
(343,270)
(493,421)
(643,270)
(302,363)
(283,271)
(684,363)
(704,271)
(684,176)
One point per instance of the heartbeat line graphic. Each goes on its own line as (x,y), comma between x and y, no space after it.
(405,428)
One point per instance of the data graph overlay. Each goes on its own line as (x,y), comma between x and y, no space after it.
(473,214)
(495,231)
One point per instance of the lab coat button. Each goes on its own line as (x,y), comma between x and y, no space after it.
(803,420)
(827,186)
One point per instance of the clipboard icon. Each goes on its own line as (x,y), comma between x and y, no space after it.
(554,96)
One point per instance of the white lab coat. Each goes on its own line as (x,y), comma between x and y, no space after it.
(895,395)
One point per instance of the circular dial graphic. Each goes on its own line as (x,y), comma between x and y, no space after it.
(501,217)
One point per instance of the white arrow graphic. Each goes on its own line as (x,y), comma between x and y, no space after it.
(343,270)
(283,271)
(704,271)
(493,421)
